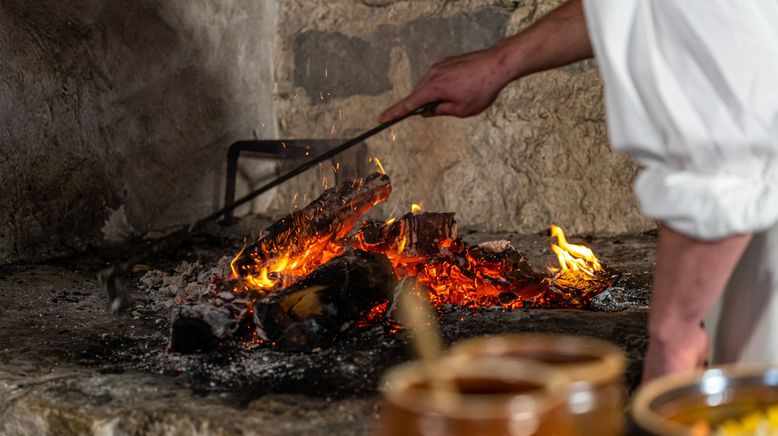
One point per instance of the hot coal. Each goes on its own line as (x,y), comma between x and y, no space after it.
(328,302)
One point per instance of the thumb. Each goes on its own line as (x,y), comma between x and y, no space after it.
(447,108)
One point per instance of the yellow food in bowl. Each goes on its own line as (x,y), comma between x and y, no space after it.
(755,423)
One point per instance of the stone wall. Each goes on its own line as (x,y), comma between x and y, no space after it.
(540,155)
(117,115)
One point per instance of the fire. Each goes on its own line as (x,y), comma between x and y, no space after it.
(378,164)
(287,268)
(577,263)
(454,274)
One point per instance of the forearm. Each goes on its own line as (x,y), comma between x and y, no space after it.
(690,275)
(557,39)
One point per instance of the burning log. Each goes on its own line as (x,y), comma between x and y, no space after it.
(329,301)
(199,327)
(321,224)
(422,234)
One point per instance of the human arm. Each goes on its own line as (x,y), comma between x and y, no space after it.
(467,84)
(690,276)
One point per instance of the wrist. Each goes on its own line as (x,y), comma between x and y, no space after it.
(673,330)
(509,56)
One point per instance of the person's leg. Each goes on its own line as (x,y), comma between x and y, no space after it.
(747,329)
(690,276)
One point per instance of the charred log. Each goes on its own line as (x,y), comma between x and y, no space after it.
(422,234)
(199,327)
(331,216)
(331,300)
(503,257)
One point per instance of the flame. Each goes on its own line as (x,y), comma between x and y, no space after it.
(454,275)
(378,164)
(573,258)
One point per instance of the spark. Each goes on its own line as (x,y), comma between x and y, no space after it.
(394,135)
(325,72)
(416,208)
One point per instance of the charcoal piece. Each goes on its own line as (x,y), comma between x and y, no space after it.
(425,234)
(502,257)
(332,299)
(377,236)
(199,327)
(332,216)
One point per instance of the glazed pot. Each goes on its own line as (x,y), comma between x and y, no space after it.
(496,397)
(595,368)
(696,403)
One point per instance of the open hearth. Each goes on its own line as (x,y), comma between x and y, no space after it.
(65,360)
(322,274)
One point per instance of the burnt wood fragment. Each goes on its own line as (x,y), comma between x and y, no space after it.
(199,327)
(503,257)
(331,300)
(332,216)
(425,234)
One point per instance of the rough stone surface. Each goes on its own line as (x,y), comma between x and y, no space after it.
(122,112)
(68,367)
(539,155)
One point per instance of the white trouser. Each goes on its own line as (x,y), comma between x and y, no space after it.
(744,326)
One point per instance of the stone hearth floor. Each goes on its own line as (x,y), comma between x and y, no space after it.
(69,367)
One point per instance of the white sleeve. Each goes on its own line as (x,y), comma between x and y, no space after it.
(691,92)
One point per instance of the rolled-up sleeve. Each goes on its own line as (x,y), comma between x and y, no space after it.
(691,93)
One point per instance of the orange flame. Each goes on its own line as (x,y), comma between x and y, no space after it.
(454,274)
(573,258)
(378,164)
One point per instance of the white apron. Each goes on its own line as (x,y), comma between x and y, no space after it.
(691,90)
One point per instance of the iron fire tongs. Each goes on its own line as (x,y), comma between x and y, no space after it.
(115,278)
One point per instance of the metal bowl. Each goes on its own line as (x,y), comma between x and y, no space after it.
(676,404)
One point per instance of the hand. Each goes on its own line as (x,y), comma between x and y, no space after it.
(466,85)
(685,351)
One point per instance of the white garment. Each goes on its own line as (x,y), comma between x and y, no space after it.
(691,91)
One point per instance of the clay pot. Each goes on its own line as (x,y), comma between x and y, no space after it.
(496,397)
(595,368)
(695,403)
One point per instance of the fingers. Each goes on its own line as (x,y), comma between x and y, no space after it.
(406,106)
